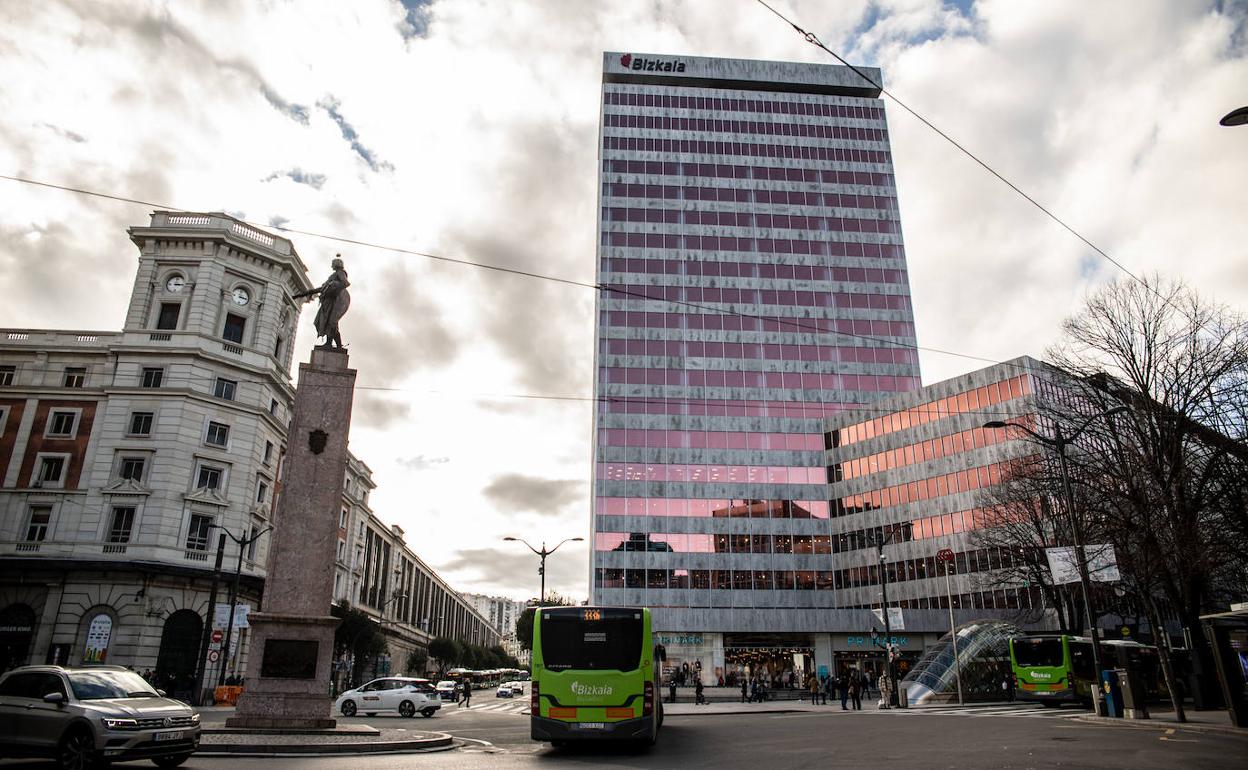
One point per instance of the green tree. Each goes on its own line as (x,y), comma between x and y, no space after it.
(357,634)
(447,652)
(416,661)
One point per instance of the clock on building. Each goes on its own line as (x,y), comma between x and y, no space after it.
(240,296)
(175,283)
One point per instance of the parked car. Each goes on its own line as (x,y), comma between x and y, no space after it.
(504,691)
(88,716)
(448,689)
(517,688)
(405,695)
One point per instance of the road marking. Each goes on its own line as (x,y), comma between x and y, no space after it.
(1170,732)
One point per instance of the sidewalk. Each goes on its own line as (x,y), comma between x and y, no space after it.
(217,740)
(687,708)
(1197,721)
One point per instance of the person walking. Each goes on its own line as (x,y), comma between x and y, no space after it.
(745,688)
(467,701)
(855,689)
(842,686)
(671,687)
(829,688)
(698,697)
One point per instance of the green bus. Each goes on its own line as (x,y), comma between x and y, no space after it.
(1057,668)
(595,676)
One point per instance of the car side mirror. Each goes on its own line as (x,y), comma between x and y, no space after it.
(54,697)
(161,693)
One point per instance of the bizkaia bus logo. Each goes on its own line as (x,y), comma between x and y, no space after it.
(629,62)
(589,689)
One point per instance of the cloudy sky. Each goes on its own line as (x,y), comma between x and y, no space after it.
(468,128)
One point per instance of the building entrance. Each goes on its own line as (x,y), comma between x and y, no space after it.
(17,624)
(179,647)
(779,661)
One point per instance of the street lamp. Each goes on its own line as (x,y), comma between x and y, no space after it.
(1236,117)
(888,628)
(543,553)
(1058,443)
(243,542)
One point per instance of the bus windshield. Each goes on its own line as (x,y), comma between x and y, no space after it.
(1038,652)
(612,643)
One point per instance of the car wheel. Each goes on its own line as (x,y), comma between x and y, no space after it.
(347,708)
(407,709)
(76,751)
(427,713)
(172,761)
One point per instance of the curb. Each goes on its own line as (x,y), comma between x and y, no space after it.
(671,715)
(1153,724)
(442,741)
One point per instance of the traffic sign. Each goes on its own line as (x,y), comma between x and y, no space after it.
(214,656)
(217,636)
(944,554)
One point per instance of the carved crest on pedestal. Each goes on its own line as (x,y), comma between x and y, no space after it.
(316,441)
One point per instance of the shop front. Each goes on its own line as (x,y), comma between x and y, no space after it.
(692,656)
(778,661)
(860,652)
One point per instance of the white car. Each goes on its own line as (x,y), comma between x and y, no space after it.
(517,688)
(504,691)
(406,696)
(446,688)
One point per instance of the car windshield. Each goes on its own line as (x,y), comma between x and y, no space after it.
(99,685)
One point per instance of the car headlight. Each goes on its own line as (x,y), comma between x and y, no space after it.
(194,719)
(116,723)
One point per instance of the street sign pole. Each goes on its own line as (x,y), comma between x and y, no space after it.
(946,556)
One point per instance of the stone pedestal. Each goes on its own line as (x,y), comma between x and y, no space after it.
(292,638)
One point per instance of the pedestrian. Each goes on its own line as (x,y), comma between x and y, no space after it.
(671,687)
(886,691)
(467,701)
(745,687)
(813,686)
(1007,687)
(842,686)
(855,689)
(698,697)
(829,687)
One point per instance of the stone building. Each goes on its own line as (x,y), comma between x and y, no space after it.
(123,455)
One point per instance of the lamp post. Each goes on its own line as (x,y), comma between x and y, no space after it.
(543,553)
(1058,443)
(243,542)
(1237,117)
(946,557)
(888,628)
(200,663)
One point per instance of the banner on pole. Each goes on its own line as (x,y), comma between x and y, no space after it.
(1102,564)
(221,618)
(896,620)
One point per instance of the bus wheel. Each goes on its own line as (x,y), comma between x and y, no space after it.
(1049,704)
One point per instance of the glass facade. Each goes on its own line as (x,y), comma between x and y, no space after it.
(755,284)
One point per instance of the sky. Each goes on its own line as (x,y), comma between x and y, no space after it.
(468,129)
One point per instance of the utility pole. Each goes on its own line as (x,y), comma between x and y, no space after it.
(238,571)
(206,636)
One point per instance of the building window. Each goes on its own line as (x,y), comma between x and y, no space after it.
(37,524)
(277,348)
(132,468)
(235,326)
(253,538)
(7,374)
(224,388)
(168,318)
(197,535)
(51,470)
(140,424)
(153,377)
(75,376)
(121,525)
(268,452)
(209,477)
(218,434)
(62,424)
(273,406)
(342,551)
(262,491)
(342,519)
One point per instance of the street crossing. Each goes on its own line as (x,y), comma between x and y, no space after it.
(1010,710)
(517,706)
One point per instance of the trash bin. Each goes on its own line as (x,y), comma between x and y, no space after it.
(1113,695)
(1134,698)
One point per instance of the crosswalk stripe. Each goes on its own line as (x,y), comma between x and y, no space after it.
(1013,712)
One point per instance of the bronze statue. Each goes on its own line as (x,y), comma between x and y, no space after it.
(335,299)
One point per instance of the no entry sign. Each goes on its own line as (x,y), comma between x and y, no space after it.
(944,554)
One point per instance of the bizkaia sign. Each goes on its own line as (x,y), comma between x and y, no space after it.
(640,63)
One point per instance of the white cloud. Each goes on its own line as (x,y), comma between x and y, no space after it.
(481,121)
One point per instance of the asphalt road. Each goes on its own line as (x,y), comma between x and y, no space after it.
(800,740)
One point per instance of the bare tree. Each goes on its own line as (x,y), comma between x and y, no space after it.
(1168,475)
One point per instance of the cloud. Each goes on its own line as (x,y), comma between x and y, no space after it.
(299,176)
(72,136)
(421,462)
(296,112)
(371,410)
(418,14)
(512,568)
(514,492)
(331,105)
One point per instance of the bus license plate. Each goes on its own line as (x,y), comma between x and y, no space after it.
(169,735)
(590,725)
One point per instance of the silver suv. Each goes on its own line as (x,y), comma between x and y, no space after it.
(83,717)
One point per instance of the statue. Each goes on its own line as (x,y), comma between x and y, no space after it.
(335,299)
